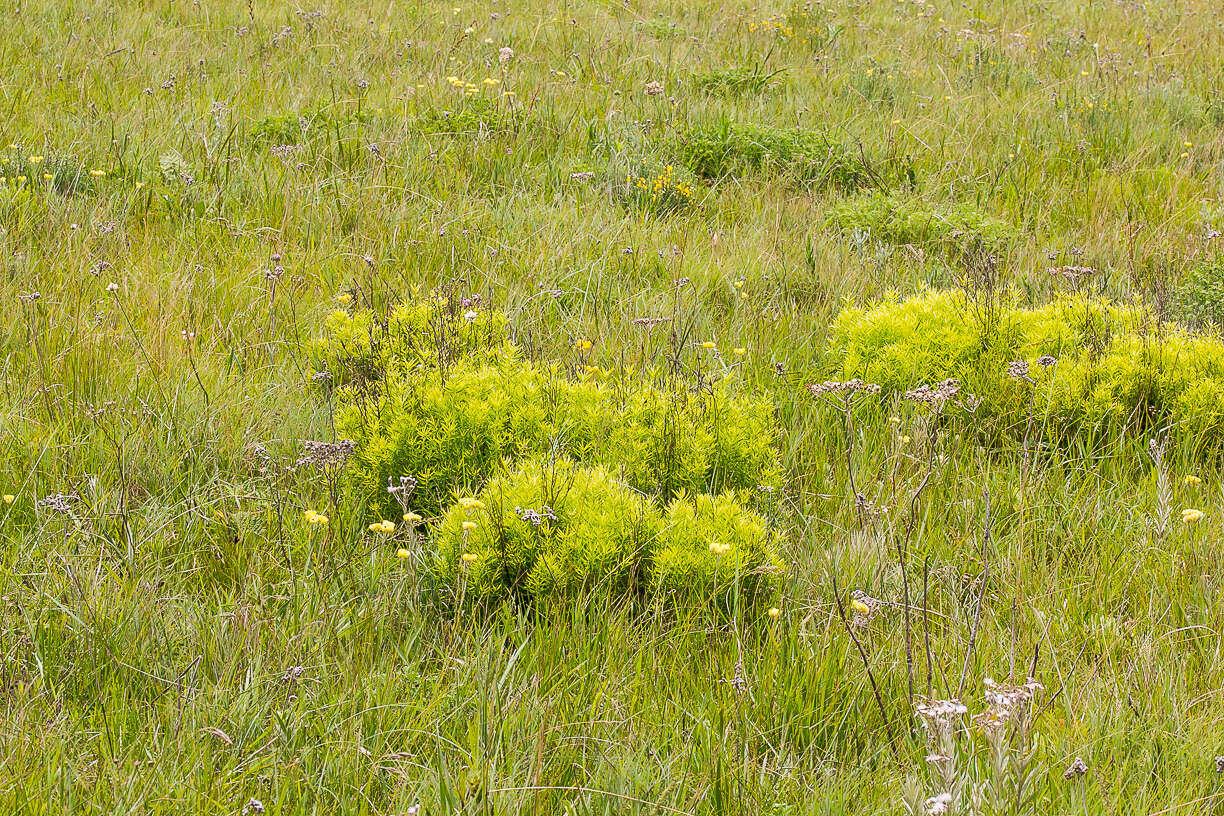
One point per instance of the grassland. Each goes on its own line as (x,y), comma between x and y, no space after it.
(191,188)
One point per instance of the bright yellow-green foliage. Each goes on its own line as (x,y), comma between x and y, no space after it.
(552,529)
(440,395)
(1105,367)
(710,547)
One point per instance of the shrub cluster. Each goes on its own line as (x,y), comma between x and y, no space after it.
(893,219)
(1091,365)
(436,392)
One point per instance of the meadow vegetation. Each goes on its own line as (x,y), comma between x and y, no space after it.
(638,407)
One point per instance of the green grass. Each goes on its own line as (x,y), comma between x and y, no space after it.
(191,189)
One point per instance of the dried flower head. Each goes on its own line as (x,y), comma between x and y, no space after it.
(654,88)
(325,455)
(1076,769)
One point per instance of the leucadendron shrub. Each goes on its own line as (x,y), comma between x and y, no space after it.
(553,529)
(1076,364)
(448,400)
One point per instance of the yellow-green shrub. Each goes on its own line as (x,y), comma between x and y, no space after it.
(548,530)
(710,546)
(450,405)
(552,529)
(1113,369)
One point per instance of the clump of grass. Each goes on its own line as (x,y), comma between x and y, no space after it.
(473,114)
(1200,298)
(740,80)
(729,149)
(302,126)
(894,219)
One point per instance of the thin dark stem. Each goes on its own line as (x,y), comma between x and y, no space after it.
(875,688)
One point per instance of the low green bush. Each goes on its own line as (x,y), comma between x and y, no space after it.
(550,530)
(546,484)
(1092,364)
(893,219)
(729,149)
(441,395)
(710,547)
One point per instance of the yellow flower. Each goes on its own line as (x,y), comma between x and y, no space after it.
(739,284)
(96,172)
(315,518)
(411,518)
(401,553)
(9,498)
(1192,480)
(383,526)
(904,440)
(741,351)
(35,159)
(1190,515)
(469,526)
(344,297)
(719,549)
(468,557)
(707,345)
(860,607)
(469,503)
(774,611)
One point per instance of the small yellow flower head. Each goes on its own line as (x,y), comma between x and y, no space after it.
(468,557)
(707,345)
(740,352)
(1192,480)
(719,549)
(411,518)
(9,498)
(469,526)
(35,159)
(469,503)
(96,172)
(315,518)
(860,607)
(344,297)
(401,553)
(739,284)
(904,440)
(1190,515)
(387,526)
(774,611)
